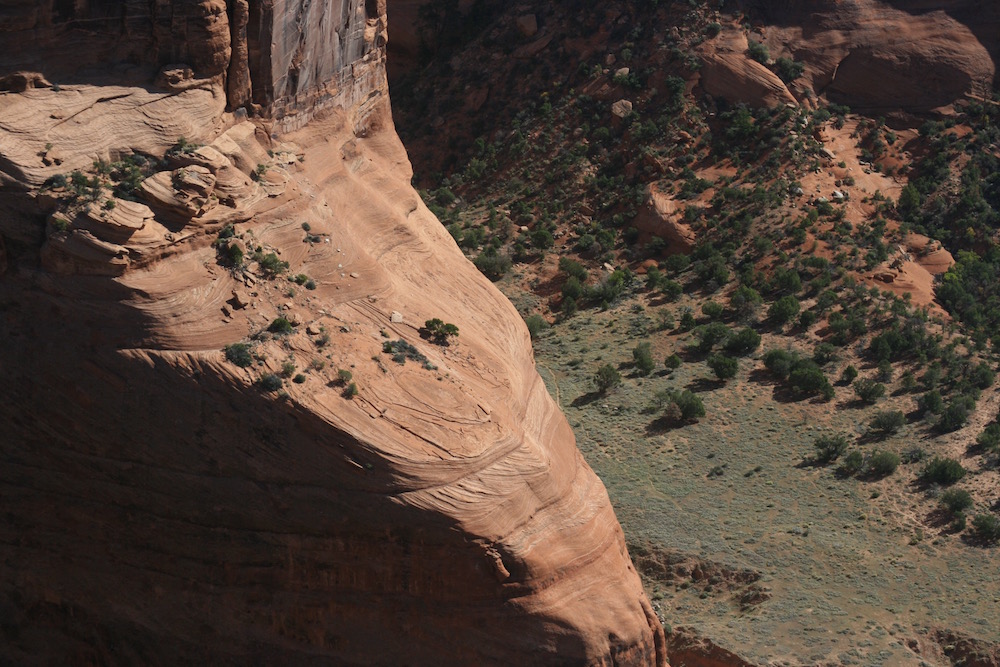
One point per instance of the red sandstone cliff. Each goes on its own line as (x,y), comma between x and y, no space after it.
(159,507)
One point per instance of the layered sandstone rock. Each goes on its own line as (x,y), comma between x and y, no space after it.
(160,507)
(879,55)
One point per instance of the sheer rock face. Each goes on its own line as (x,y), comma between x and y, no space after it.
(160,507)
(883,55)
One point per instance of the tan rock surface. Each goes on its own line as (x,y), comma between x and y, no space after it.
(160,508)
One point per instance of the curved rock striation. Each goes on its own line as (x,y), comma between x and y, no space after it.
(163,504)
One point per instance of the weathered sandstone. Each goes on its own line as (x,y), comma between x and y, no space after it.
(162,508)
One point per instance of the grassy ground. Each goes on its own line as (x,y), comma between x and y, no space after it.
(856,569)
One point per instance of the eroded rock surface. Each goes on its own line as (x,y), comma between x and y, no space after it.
(160,506)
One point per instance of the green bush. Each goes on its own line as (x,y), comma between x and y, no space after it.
(440,331)
(281,326)
(684,405)
(808,378)
(882,463)
(270,382)
(743,342)
(869,390)
(758,52)
(986,528)
(989,439)
(956,414)
(852,463)
(943,471)
(724,367)
(607,377)
(787,69)
(783,310)
(956,500)
(270,264)
(642,356)
(712,310)
(887,421)
(849,375)
(239,354)
(931,402)
(536,324)
(829,448)
(780,362)
(673,362)
(492,264)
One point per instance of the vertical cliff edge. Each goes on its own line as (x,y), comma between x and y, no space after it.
(229,437)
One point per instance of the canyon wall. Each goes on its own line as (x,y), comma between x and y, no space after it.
(163,502)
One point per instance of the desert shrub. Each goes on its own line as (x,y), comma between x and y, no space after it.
(492,264)
(536,324)
(402,350)
(824,353)
(711,335)
(677,263)
(931,402)
(572,289)
(986,528)
(607,377)
(270,264)
(239,354)
(783,310)
(299,378)
(956,414)
(829,448)
(882,463)
(758,52)
(724,367)
(869,390)
(852,463)
(745,301)
(743,342)
(281,326)
(344,376)
(351,390)
(642,357)
(673,362)
(956,500)
(270,382)
(787,69)
(712,310)
(780,362)
(887,421)
(671,289)
(989,439)
(440,331)
(943,471)
(849,375)
(682,405)
(808,378)
(713,29)
(571,267)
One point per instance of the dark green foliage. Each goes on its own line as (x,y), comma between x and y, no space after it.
(849,375)
(351,390)
(758,52)
(401,351)
(270,263)
(536,324)
(239,354)
(783,310)
(681,405)
(956,414)
(788,70)
(943,471)
(572,289)
(573,268)
(712,310)
(852,463)
(808,378)
(887,421)
(671,289)
(673,362)
(344,376)
(931,402)
(745,301)
(742,342)
(724,367)
(281,326)
(299,378)
(492,264)
(642,357)
(989,439)
(780,362)
(986,528)
(542,239)
(440,331)
(710,335)
(869,390)
(607,377)
(881,463)
(677,263)
(824,353)
(956,500)
(270,382)
(829,448)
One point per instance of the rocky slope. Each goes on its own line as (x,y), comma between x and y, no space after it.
(161,504)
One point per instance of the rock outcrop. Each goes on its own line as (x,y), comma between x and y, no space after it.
(880,55)
(162,504)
